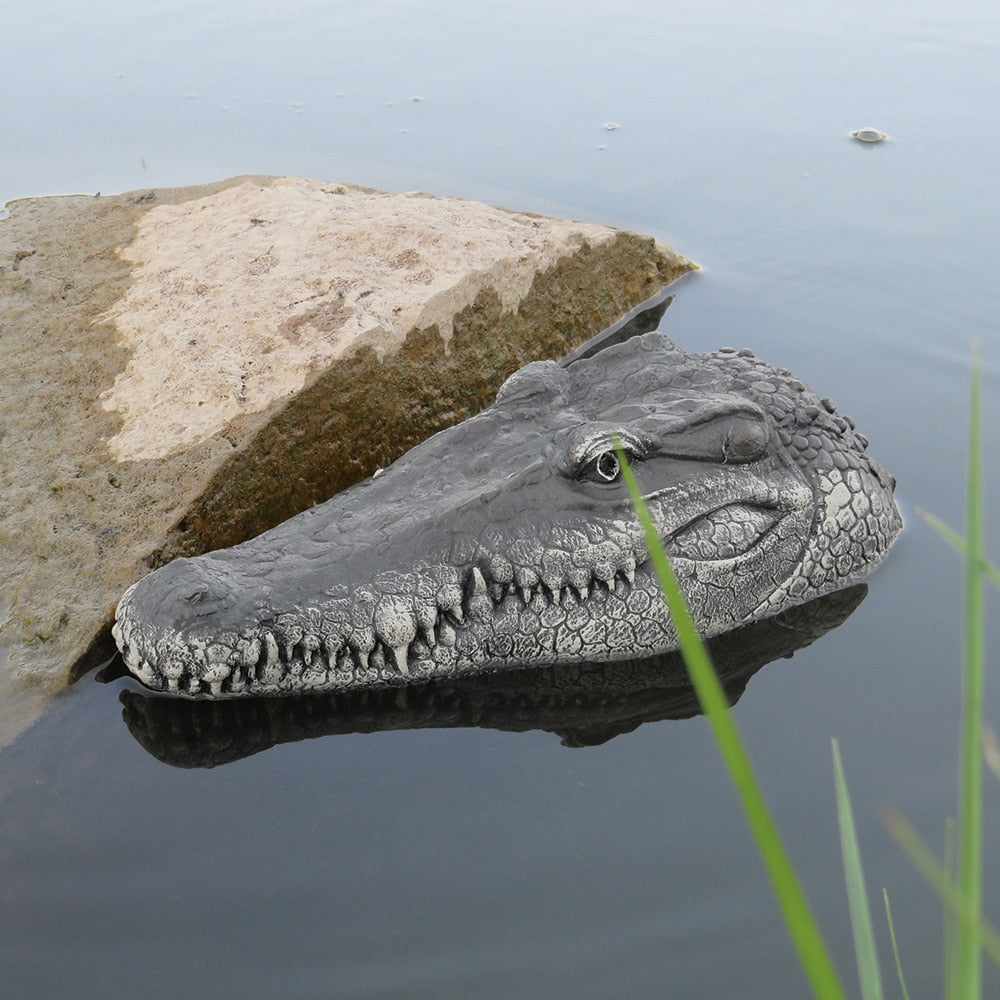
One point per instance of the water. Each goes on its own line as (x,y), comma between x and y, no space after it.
(474,862)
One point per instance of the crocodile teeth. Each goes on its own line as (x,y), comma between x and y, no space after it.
(332,646)
(271,655)
(526,578)
(395,623)
(363,643)
(145,672)
(371,632)
(402,653)
(449,598)
(501,569)
(479,603)
(427,619)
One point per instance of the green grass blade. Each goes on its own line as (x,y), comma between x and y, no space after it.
(895,947)
(865,951)
(968,961)
(798,916)
(949,920)
(934,873)
(991,752)
(957,542)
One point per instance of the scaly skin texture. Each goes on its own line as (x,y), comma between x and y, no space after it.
(510,539)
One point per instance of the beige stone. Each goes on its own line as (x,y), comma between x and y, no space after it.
(184,368)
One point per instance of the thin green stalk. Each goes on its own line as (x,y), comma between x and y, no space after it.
(798,916)
(991,751)
(937,877)
(957,542)
(968,961)
(865,952)
(949,920)
(895,947)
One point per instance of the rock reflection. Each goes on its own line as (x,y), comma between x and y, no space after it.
(585,704)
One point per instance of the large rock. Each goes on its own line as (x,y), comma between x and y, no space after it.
(185,368)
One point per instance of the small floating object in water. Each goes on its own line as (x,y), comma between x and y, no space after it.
(611,126)
(869,134)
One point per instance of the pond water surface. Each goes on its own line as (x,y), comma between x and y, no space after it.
(484,863)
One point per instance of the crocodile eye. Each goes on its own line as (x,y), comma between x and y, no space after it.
(604,469)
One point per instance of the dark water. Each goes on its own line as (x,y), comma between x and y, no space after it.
(477,862)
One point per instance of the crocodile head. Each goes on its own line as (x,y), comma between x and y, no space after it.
(510,539)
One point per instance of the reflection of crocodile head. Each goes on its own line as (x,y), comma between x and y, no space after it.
(584,703)
(510,539)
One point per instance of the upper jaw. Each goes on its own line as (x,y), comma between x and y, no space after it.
(420,623)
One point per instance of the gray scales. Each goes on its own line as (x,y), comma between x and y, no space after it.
(510,539)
